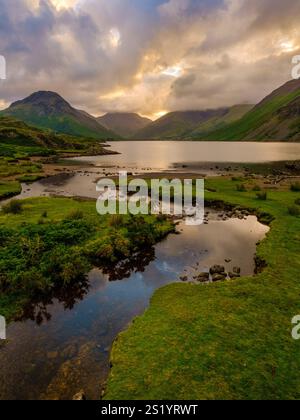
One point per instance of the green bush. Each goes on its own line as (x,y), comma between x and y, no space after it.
(295,187)
(294,211)
(116,220)
(263,196)
(75,215)
(13,207)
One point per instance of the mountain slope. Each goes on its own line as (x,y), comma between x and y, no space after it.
(50,110)
(124,124)
(233,114)
(277,118)
(176,125)
(18,138)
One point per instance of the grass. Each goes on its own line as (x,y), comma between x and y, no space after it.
(49,243)
(229,340)
(9,189)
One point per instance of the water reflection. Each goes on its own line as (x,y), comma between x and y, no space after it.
(62,343)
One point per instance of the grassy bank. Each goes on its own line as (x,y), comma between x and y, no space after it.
(49,243)
(229,340)
(9,189)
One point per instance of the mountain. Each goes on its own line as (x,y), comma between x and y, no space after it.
(233,114)
(277,118)
(19,139)
(49,110)
(124,124)
(175,125)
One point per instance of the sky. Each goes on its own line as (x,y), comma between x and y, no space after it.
(148,56)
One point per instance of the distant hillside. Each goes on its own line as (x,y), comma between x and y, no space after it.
(277,118)
(50,110)
(16,137)
(233,114)
(124,124)
(176,125)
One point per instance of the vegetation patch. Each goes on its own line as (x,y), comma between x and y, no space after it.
(229,340)
(48,243)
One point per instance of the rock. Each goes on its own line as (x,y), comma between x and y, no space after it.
(236,270)
(202,277)
(218,277)
(184,278)
(217,269)
(233,275)
(80,396)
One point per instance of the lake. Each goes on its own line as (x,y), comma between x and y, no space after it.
(169,155)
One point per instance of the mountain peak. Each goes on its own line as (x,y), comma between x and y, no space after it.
(48,99)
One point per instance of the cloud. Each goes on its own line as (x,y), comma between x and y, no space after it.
(148,56)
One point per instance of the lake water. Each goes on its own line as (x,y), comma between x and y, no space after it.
(170,155)
(62,344)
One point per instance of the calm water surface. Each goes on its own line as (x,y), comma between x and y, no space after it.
(169,155)
(62,345)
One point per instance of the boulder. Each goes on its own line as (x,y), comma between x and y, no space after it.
(217,269)
(202,277)
(218,277)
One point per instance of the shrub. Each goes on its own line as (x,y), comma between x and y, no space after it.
(44,215)
(13,207)
(262,196)
(294,211)
(116,220)
(241,188)
(297,202)
(295,187)
(75,215)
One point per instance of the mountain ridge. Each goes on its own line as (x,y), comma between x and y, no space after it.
(49,110)
(126,124)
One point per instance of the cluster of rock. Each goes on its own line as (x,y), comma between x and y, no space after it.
(215,274)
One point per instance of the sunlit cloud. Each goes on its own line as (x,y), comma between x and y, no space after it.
(148,56)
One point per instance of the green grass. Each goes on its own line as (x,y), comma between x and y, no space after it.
(49,243)
(9,189)
(252,120)
(229,340)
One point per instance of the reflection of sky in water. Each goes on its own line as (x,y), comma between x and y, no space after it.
(162,155)
(36,358)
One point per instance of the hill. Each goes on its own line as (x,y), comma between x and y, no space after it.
(19,139)
(175,125)
(275,118)
(124,124)
(49,110)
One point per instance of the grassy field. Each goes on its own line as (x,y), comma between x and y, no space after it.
(9,189)
(49,243)
(228,340)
